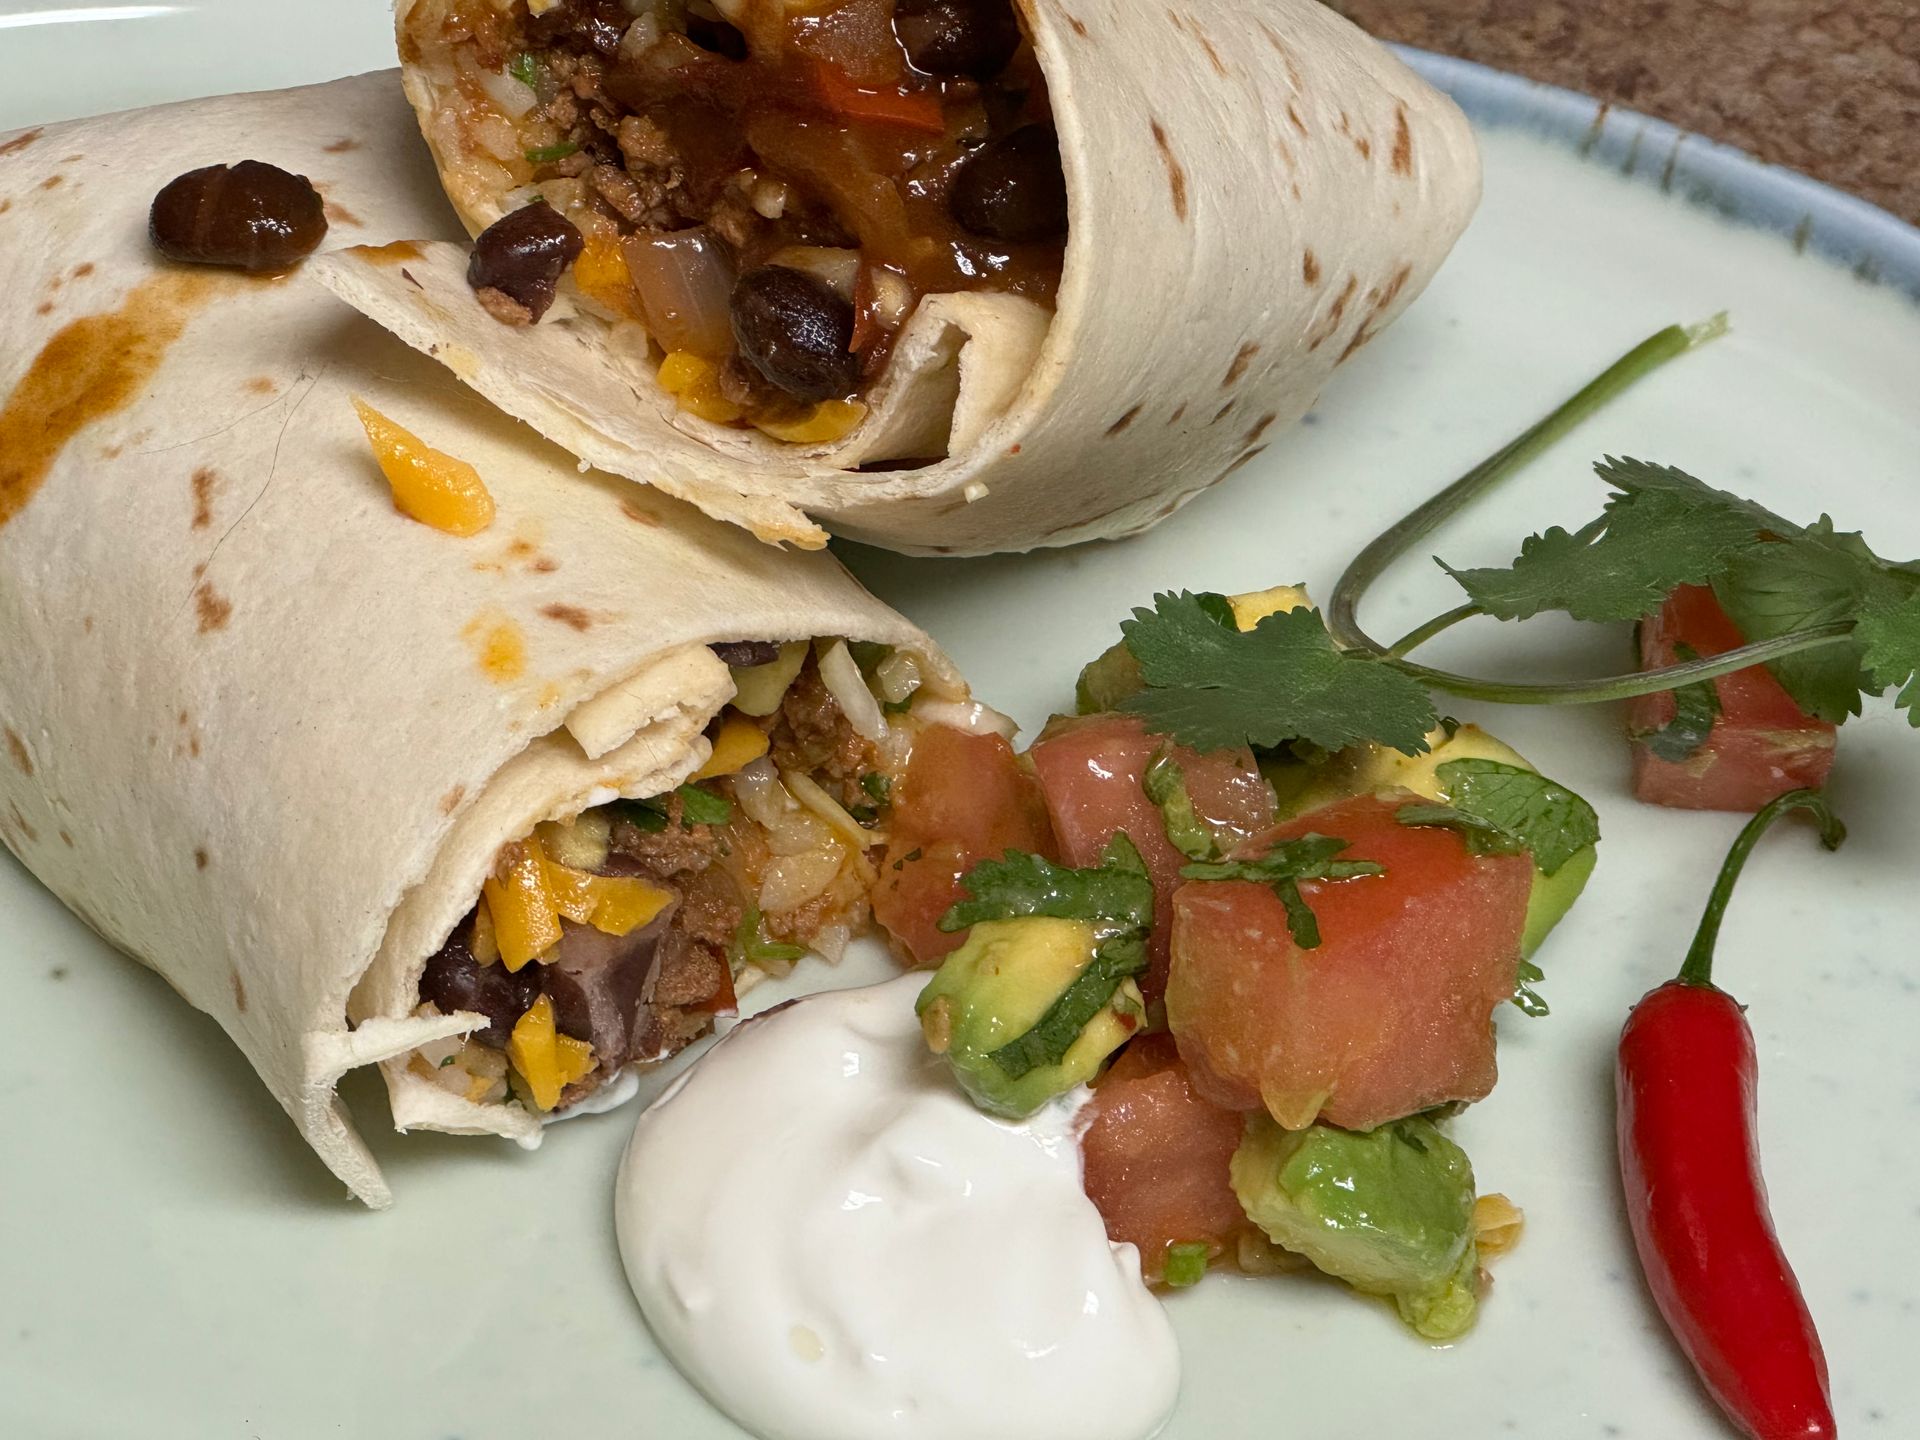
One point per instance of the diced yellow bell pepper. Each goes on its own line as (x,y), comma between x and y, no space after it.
(830,420)
(739,743)
(695,383)
(428,485)
(485,943)
(614,904)
(546,1060)
(602,275)
(526,921)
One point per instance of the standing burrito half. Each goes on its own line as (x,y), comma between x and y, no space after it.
(950,276)
(337,698)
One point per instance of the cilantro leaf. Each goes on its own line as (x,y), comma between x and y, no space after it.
(1621,567)
(1524,995)
(1311,857)
(1695,709)
(1890,636)
(523,68)
(1214,688)
(751,946)
(1811,578)
(1540,816)
(879,787)
(1117,890)
(1053,1034)
(1166,787)
(1481,835)
(697,807)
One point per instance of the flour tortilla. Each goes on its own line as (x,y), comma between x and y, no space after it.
(261,731)
(1256,190)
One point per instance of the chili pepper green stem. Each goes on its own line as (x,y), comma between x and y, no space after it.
(1698,968)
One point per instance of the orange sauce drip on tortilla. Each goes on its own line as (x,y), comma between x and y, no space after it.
(91,369)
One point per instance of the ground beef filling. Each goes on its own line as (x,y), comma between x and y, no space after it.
(873,152)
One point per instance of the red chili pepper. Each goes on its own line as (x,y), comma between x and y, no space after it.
(1694,1192)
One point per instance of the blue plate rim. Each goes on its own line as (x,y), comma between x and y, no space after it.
(1879,247)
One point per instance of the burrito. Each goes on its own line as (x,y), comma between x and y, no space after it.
(946,276)
(508,785)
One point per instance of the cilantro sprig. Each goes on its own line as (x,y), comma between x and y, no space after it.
(1501,809)
(1695,709)
(1118,890)
(1311,857)
(697,807)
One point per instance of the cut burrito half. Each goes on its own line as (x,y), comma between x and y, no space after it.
(948,276)
(509,798)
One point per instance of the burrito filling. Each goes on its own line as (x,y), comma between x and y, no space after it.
(767,188)
(614,939)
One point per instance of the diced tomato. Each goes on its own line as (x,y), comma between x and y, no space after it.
(1762,744)
(964,798)
(1391,1014)
(1156,1156)
(1093,770)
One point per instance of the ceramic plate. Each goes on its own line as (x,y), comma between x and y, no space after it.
(173,1263)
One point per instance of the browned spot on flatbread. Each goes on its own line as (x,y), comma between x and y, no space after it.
(193,746)
(570,615)
(450,801)
(53,182)
(1176,173)
(545,565)
(82,270)
(90,369)
(262,385)
(20,141)
(66,840)
(342,146)
(198,570)
(200,859)
(521,548)
(1294,115)
(1402,142)
(5,206)
(1179,413)
(1179,20)
(213,608)
(239,990)
(86,624)
(1213,55)
(1378,303)
(389,254)
(1014,449)
(1241,360)
(1222,413)
(341,215)
(639,517)
(1260,427)
(1124,421)
(1364,146)
(45,307)
(203,482)
(1078,25)
(17,748)
(1335,314)
(20,822)
(1310,267)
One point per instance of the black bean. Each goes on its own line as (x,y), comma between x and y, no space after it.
(957,37)
(454,980)
(745,654)
(717,36)
(796,332)
(249,216)
(1012,188)
(523,254)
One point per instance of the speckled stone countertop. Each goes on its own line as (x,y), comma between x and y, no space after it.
(1827,87)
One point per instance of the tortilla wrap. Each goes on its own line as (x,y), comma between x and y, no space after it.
(1255,191)
(262,731)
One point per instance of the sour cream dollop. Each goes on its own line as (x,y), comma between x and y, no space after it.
(833,1243)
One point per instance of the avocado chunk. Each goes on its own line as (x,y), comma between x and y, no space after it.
(1027,1009)
(1389,1211)
(1553,895)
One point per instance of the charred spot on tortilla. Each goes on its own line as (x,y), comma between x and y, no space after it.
(1224,411)
(1179,413)
(342,146)
(203,482)
(1241,360)
(21,141)
(250,216)
(1309,266)
(239,991)
(213,608)
(450,801)
(67,840)
(17,748)
(91,368)
(639,516)
(1176,172)
(53,182)
(1402,161)
(200,859)
(1078,26)
(339,214)
(82,270)
(518,260)
(1125,420)
(1335,314)
(1293,114)
(572,616)
(263,385)
(21,823)
(45,307)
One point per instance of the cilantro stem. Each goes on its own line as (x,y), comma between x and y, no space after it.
(1420,634)
(1371,563)
(1625,687)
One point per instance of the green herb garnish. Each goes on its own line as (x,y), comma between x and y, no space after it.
(1695,709)
(1053,1033)
(877,786)
(1166,787)
(1524,995)
(1117,890)
(697,807)
(752,947)
(1311,857)
(547,154)
(524,68)
(1501,809)
(1185,1264)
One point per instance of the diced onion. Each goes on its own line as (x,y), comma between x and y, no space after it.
(839,269)
(968,715)
(830,941)
(790,881)
(897,676)
(508,95)
(846,684)
(892,298)
(809,794)
(684,280)
(791,829)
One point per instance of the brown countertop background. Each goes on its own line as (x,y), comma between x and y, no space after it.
(1827,87)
